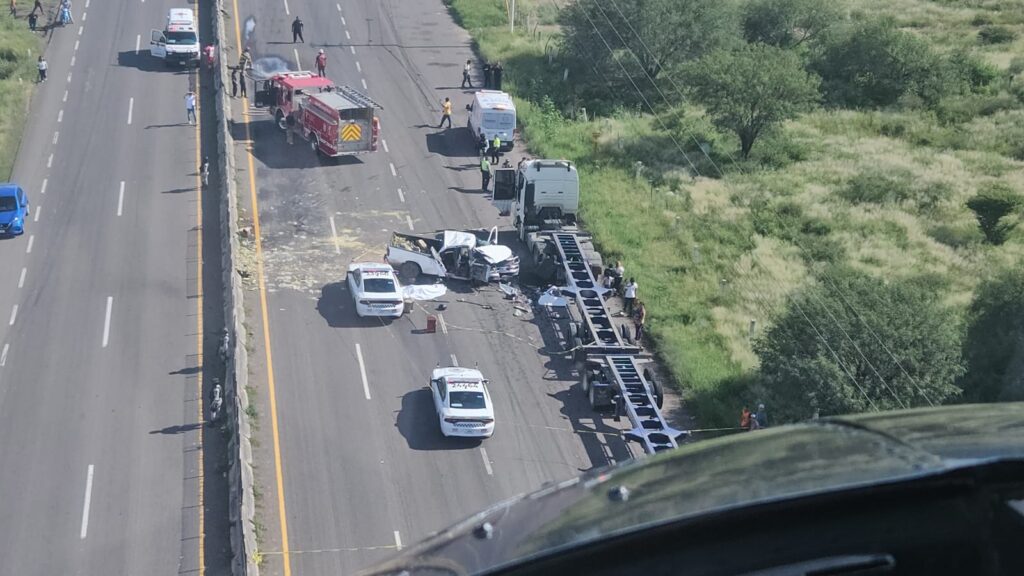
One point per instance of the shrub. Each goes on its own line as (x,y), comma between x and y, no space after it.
(956,236)
(975,74)
(992,347)
(980,19)
(878,187)
(778,150)
(1016,65)
(990,206)
(996,35)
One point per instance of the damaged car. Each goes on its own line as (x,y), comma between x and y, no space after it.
(473,256)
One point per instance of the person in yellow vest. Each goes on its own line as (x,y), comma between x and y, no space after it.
(485,172)
(495,148)
(446,113)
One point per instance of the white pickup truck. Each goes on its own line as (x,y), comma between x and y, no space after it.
(474,256)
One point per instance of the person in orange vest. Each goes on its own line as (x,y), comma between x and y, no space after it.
(321,63)
(446,112)
(745,418)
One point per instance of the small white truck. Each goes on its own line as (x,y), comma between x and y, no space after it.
(178,42)
(473,256)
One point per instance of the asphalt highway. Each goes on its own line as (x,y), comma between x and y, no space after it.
(99,423)
(363,467)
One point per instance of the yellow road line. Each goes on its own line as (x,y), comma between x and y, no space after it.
(199,330)
(266,320)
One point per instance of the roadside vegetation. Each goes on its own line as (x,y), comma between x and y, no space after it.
(820,201)
(19,48)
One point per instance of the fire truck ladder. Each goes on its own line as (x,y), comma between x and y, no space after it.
(357,97)
(608,347)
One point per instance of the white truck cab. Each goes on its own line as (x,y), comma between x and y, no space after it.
(493,113)
(178,42)
(539,194)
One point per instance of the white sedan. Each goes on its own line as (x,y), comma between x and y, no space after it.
(375,290)
(463,405)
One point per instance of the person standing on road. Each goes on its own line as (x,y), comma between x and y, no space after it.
(210,51)
(641,317)
(321,63)
(234,82)
(204,171)
(290,129)
(190,107)
(495,149)
(467,70)
(297,31)
(485,173)
(446,112)
(14,8)
(630,296)
(41,66)
(32,21)
(245,62)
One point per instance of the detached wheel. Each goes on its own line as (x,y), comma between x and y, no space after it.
(281,122)
(409,270)
(655,388)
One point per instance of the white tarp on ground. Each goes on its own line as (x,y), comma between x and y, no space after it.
(552,297)
(423,291)
(453,238)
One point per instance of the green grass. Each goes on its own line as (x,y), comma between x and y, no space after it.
(883,191)
(19,48)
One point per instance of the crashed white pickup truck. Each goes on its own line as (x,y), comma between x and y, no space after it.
(452,254)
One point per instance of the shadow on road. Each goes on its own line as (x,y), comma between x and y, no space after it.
(270,147)
(451,143)
(417,423)
(142,60)
(187,371)
(178,429)
(336,307)
(179,190)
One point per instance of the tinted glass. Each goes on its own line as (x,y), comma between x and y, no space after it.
(467,400)
(378,285)
(7,203)
(181,37)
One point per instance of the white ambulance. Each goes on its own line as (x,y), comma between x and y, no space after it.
(493,113)
(178,43)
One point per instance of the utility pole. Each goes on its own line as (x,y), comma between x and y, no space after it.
(512,19)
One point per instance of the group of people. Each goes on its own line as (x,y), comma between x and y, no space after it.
(754,420)
(632,308)
(64,13)
(492,75)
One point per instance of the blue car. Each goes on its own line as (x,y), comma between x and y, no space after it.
(13,210)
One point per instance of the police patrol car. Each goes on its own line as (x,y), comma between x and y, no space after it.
(375,290)
(462,402)
(178,43)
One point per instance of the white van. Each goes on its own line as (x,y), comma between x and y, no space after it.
(178,43)
(493,113)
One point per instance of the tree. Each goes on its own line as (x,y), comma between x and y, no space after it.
(833,348)
(991,206)
(788,23)
(751,89)
(645,37)
(874,64)
(994,347)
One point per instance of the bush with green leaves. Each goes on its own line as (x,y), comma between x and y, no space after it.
(752,89)
(851,343)
(878,187)
(994,347)
(992,206)
(996,35)
(788,23)
(874,64)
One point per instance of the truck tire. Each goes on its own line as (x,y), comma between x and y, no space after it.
(627,334)
(281,122)
(655,388)
(409,271)
(592,397)
(314,145)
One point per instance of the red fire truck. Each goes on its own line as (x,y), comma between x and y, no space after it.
(335,120)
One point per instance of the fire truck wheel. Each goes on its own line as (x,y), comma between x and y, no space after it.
(281,122)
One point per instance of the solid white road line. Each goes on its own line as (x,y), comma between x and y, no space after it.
(286,10)
(106,321)
(38,212)
(42,189)
(359,66)
(487,461)
(120,199)
(398,540)
(347,35)
(353,49)
(384,143)
(455,361)
(334,237)
(87,504)
(400,195)
(3,355)
(131,107)
(31,241)
(440,320)
(408,220)
(296,51)
(14,315)
(60,115)
(56,135)
(393,171)
(363,80)
(49,161)
(362,371)
(138,40)
(21,279)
